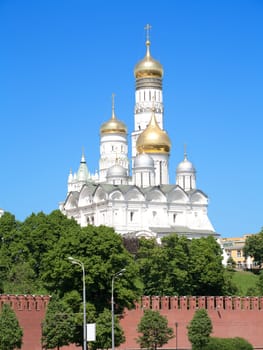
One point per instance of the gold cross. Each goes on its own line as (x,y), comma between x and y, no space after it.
(113,107)
(148,27)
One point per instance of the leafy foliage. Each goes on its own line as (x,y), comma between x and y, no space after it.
(206,267)
(11,333)
(254,247)
(228,344)
(103,332)
(58,326)
(33,260)
(154,329)
(183,267)
(199,330)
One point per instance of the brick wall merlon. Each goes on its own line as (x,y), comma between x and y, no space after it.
(210,303)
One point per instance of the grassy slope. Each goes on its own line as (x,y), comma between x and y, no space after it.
(246,282)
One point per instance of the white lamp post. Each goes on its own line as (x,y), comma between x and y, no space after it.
(78,262)
(112,306)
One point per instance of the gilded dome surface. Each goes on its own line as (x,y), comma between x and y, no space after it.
(153,139)
(113,126)
(148,67)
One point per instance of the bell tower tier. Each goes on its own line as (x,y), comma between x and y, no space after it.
(148,94)
(113,145)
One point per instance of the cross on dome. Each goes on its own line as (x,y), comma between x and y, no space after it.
(148,27)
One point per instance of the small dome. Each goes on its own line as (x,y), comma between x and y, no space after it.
(113,126)
(185,166)
(143,160)
(148,67)
(116,171)
(153,139)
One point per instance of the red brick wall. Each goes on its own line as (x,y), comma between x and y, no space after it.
(231,317)
(30,311)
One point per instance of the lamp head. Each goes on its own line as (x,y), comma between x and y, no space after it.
(120,272)
(72,260)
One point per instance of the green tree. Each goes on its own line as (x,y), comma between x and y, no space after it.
(154,329)
(20,279)
(11,333)
(153,265)
(254,247)
(163,268)
(102,252)
(58,326)
(205,267)
(199,330)
(228,344)
(26,244)
(103,332)
(8,227)
(178,278)
(260,283)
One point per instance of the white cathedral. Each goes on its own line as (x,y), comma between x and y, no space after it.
(140,201)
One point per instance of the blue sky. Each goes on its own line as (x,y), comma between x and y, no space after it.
(60,62)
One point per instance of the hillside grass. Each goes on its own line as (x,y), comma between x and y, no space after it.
(246,283)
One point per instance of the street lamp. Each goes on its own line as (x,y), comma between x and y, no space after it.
(78,262)
(112,306)
(176,335)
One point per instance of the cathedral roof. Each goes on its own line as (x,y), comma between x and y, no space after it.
(183,230)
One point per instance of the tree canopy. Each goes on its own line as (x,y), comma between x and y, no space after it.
(58,326)
(182,267)
(11,333)
(199,330)
(103,331)
(154,330)
(34,260)
(254,247)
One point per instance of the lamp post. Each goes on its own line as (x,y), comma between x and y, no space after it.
(78,262)
(112,306)
(176,334)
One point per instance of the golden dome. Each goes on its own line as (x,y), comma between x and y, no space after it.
(113,125)
(153,139)
(148,67)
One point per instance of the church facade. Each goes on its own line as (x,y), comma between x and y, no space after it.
(135,196)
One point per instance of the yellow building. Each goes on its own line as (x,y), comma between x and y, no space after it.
(233,247)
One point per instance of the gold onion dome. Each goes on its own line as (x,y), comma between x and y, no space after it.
(148,67)
(113,126)
(153,139)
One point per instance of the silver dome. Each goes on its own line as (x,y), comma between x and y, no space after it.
(116,171)
(143,160)
(185,166)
